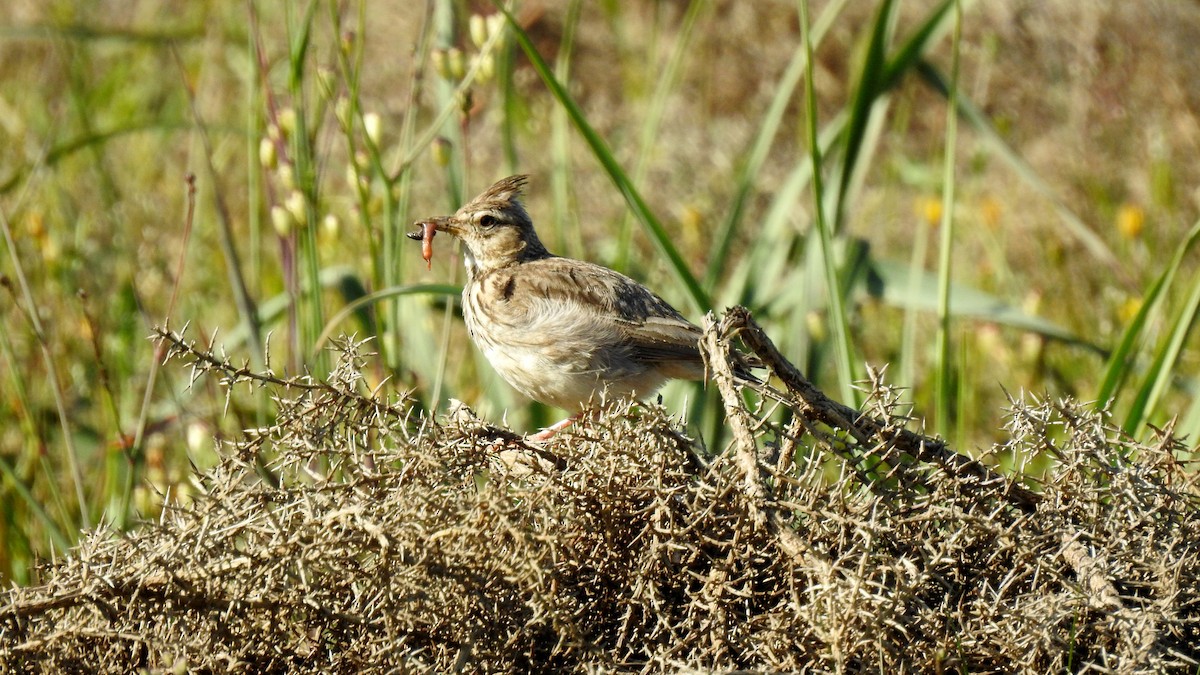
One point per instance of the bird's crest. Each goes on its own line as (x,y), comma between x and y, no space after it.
(503,193)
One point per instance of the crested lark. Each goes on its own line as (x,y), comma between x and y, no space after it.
(560,331)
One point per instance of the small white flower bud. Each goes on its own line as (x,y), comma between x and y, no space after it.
(295,205)
(267,156)
(281,220)
(372,125)
(287,122)
(479,29)
(330,226)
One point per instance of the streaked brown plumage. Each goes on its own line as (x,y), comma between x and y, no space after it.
(559,330)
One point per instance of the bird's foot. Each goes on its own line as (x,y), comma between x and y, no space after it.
(548,433)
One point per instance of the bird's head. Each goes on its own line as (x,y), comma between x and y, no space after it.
(494,227)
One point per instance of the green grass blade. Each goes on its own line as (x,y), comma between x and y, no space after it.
(945,369)
(906,372)
(845,362)
(767,270)
(1189,421)
(512,105)
(567,237)
(1121,361)
(761,146)
(53,531)
(19,396)
(602,153)
(1162,371)
(85,33)
(865,95)
(652,123)
(908,56)
(31,310)
(879,75)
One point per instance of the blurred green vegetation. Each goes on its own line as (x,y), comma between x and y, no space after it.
(670,140)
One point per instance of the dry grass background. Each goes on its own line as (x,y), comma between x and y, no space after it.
(1100,97)
(354,531)
(375,540)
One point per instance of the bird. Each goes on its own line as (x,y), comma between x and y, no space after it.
(559,330)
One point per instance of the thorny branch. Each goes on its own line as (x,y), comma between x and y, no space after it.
(812,404)
(389,541)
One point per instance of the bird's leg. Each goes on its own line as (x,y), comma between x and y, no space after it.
(548,433)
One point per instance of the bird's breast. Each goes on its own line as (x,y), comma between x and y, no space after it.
(550,350)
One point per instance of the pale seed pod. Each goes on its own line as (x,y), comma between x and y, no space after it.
(456,63)
(287,122)
(330,226)
(479,29)
(287,176)
(341,110)
(440,150)
(372,124)
(487,66)
(268,157)
(281,220)
(441,63)
(495,23)
(296,204)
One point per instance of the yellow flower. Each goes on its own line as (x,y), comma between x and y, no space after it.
(1131,220)
(1129,309)
(929,209)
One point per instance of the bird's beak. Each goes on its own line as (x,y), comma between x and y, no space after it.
(445,224)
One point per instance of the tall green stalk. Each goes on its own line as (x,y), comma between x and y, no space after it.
(839,323)
(945,369)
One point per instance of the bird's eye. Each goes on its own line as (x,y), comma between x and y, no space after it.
(489,221)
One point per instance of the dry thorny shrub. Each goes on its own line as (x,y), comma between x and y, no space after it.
(823,539)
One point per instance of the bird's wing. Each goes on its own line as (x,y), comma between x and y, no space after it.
(609,301)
